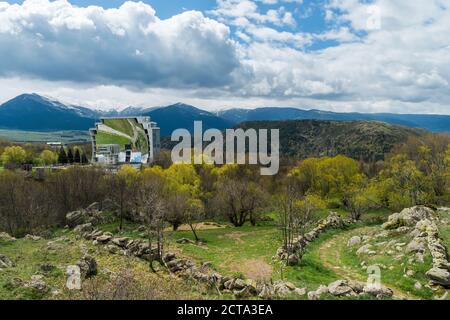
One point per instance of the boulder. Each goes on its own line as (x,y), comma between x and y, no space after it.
(416,245)
(354,241)
(88,266)
(32,237)
(105,238)
(84,228)
(75,218)
(365,249)
(5,237)
(408,217)
(112,249)
(121,242)
(94,207)
(185,241)
(5,262)
(37,283)
(378,291)
(439,276)
(340,288)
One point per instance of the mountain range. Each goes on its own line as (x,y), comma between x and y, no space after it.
(33,112)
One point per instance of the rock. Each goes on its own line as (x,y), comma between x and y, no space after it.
(54,246)
(444,297)
(409,273)
(5,262)
(293,260)
(37,283)
(408,217)
(105,238)
(5,237)
(94,207)
(82,228)
(32,237)
(378,291)
(354,241)
(300,291)
(121,242)
(340,288)
(239,284)
(356,286)
(88,266)
(312,295)
(169,257)
(416,245)
(418,286)
(185,241)
(439,276)
(75,218)
(112,249)
(364,249)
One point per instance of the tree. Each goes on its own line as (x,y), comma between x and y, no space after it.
(151,207)
(121,189)
(48,157)
(194,212)
(70,156)
(62,157)
(238,196)
(84,159)
(77,156)
(13,157)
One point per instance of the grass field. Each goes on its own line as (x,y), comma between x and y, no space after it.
(122,125)
(107,138)
(60,136)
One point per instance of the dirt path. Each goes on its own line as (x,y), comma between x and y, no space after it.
(330,253)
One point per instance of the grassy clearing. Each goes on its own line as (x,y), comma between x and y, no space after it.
(28,257)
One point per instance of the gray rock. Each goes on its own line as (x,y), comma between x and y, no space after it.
(105,238)
(416,245)
(75,218)
(439,276)
(5,262)
(365,249)
(82,228)
(378,291)
(88,266)
(5,237)
(37,283)
(340,288)
(354,241)
(33,237)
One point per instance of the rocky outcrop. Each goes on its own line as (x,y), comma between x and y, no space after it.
(5,237)
(422,223)
(344,288)
(93,215)
(408,217)
(38,284)
(293,255)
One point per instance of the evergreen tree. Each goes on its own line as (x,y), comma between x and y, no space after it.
(62,157)
(70,157)
(77,158)
(84,159)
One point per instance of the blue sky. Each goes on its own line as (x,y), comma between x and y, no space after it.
(340,55)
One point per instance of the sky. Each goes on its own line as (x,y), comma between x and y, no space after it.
(338,55)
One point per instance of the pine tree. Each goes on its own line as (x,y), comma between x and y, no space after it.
(84,159)
(62,157)
(77,157)
(70,157)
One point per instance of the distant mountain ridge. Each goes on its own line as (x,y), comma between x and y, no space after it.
(435,123)
(32,112)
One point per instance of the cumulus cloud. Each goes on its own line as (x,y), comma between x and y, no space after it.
(379,56)
(125,45)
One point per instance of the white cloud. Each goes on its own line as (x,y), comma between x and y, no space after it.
(128,55)
(127,45)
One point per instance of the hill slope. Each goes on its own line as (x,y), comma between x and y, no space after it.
(356,139)
(34,112)
(183,116)
(436,123)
